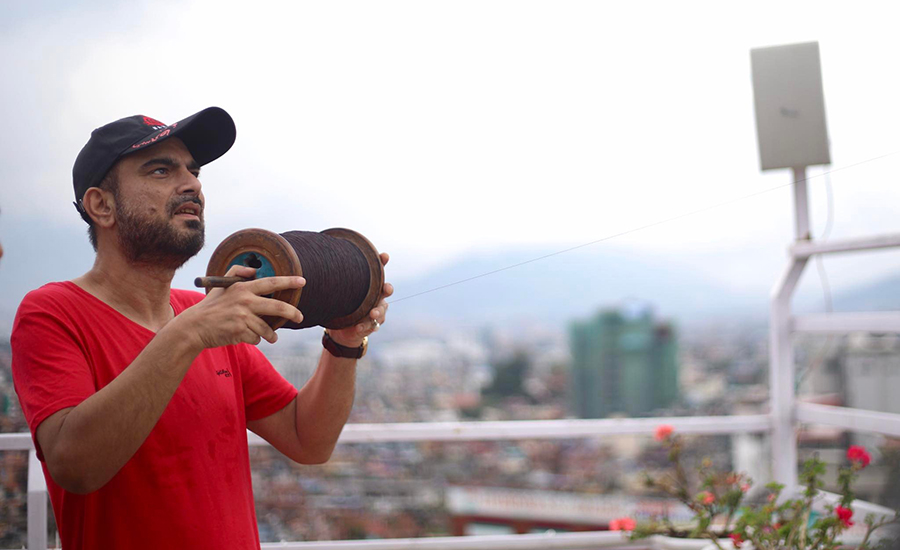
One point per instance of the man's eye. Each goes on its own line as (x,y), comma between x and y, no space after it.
(161,171)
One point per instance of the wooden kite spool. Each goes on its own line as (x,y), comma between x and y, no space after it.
(343,271)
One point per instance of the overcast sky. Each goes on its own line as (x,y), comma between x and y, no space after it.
(442,128)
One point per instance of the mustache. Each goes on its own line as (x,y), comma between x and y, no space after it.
(177,202)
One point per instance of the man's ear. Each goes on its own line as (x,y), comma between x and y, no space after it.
(100,205)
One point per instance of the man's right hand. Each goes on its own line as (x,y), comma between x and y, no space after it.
(233,315)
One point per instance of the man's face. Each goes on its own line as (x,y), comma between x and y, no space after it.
(159,205)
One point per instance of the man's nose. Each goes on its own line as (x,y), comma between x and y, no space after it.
(189,184)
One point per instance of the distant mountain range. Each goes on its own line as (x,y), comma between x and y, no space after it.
(561,287)
(528,285)
(883,295)
(557,289)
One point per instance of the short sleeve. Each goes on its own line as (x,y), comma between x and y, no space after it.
(50,368)
(265,390)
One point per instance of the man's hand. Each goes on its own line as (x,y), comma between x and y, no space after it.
(352,337)
(233,315)
(308,428)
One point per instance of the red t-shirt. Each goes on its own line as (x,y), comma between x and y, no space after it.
(188,485)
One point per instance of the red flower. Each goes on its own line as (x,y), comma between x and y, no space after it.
(737,539)
(663,431)
(745,487)
(622,524)
(858,454)
(844,514)
(706,497)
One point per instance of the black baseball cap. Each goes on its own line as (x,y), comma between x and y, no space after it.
(208,135)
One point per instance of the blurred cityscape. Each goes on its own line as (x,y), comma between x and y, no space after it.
(632,363)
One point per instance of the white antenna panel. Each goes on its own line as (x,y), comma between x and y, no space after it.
(790,106)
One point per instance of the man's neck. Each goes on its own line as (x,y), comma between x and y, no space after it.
(140,292)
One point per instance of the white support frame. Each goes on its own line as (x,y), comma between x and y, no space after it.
(879,322)
(781,349)
(855,420)
(36,503)
(805,249)
(786,412)
(16,442)
(781,380)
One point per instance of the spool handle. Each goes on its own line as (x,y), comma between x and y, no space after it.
(218,282)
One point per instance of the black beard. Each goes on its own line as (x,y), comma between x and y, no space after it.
(157,242)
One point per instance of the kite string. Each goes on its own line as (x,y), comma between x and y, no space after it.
(645,226)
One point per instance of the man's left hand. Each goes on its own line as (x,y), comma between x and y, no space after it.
(352,337)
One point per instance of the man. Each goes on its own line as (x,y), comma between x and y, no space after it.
(137,395)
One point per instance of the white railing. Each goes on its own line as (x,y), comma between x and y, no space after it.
(543,541)
(37,504)
(543,429)
(443,431)
(507,430)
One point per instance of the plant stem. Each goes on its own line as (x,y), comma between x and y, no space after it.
(871,529)
(731,511)
(803,525)
(866,538)
(715,540)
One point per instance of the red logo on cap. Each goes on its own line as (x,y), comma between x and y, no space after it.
(152,122)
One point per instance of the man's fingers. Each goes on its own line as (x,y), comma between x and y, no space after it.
(385,258)
(379,312)
(263,329)
(387,290)
(268,285)
(234,271)
(276,308)
(241,271)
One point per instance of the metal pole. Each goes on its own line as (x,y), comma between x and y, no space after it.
(781,379)
(781,349)
(801,204)
(37,504)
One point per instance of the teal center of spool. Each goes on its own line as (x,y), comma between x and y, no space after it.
(252,259)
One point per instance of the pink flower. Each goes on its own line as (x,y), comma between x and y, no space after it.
(844,514)
(706,497)
(663,431)
(771,497)
(622,524)
(737,539)
(745,487)
(858,454)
